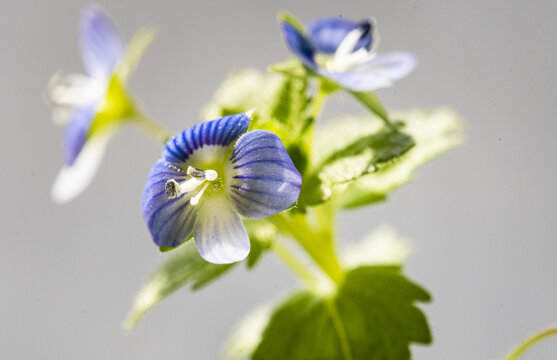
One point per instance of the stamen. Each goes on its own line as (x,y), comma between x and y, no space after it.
(175,189)
(172,189)
(194,200)
(195,173)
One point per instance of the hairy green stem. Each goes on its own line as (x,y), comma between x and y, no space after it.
(528,343)
(372,103)
(300,269)
(317,103)
(153,128)
(316,241)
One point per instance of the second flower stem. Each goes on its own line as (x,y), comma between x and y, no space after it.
(153,128)
(528,343)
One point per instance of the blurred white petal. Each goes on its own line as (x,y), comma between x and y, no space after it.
(72,180)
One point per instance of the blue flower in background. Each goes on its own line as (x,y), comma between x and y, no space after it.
(91,105)
(343,51)
(210,174)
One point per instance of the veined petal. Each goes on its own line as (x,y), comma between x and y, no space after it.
(220,132)
(219,234)
(327,34)
(75,133)
(392,66)
(298,44)
(261,178)
(72,180)
(170,221)
(101,45)
(357,80)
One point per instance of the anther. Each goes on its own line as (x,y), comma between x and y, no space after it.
(172,189)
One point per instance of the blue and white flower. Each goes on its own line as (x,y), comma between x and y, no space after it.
(90,105)
(209,176)
(344,52)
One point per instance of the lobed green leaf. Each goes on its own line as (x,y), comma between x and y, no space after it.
(371,316)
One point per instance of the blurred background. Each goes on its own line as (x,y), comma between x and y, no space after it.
(482,218)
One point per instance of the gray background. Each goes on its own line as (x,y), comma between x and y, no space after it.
(481,217)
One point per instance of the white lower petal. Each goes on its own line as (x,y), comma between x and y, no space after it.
(72,180)
(219,234)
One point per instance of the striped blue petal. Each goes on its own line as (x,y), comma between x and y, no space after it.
(326,34)
(75,133)
(298,44)
(262,179)
(219,234)
(220,132)
(101,45)
(170,221)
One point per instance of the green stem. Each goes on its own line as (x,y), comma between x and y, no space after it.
(372,103)
(300,269)
(317,102)
(318,243)
(153,128)
(523,347)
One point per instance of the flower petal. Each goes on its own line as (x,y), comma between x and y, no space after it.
(327,34)
(75,133)
(170,221)
(101,45)
(72,180)
(261,179)
(392,66)
(357,80)
(220,236)
(297,42)
(220,132)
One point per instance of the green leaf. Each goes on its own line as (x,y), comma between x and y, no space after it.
(341,164)
(279,101)
(372,316)
(435,132)
(183,266)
